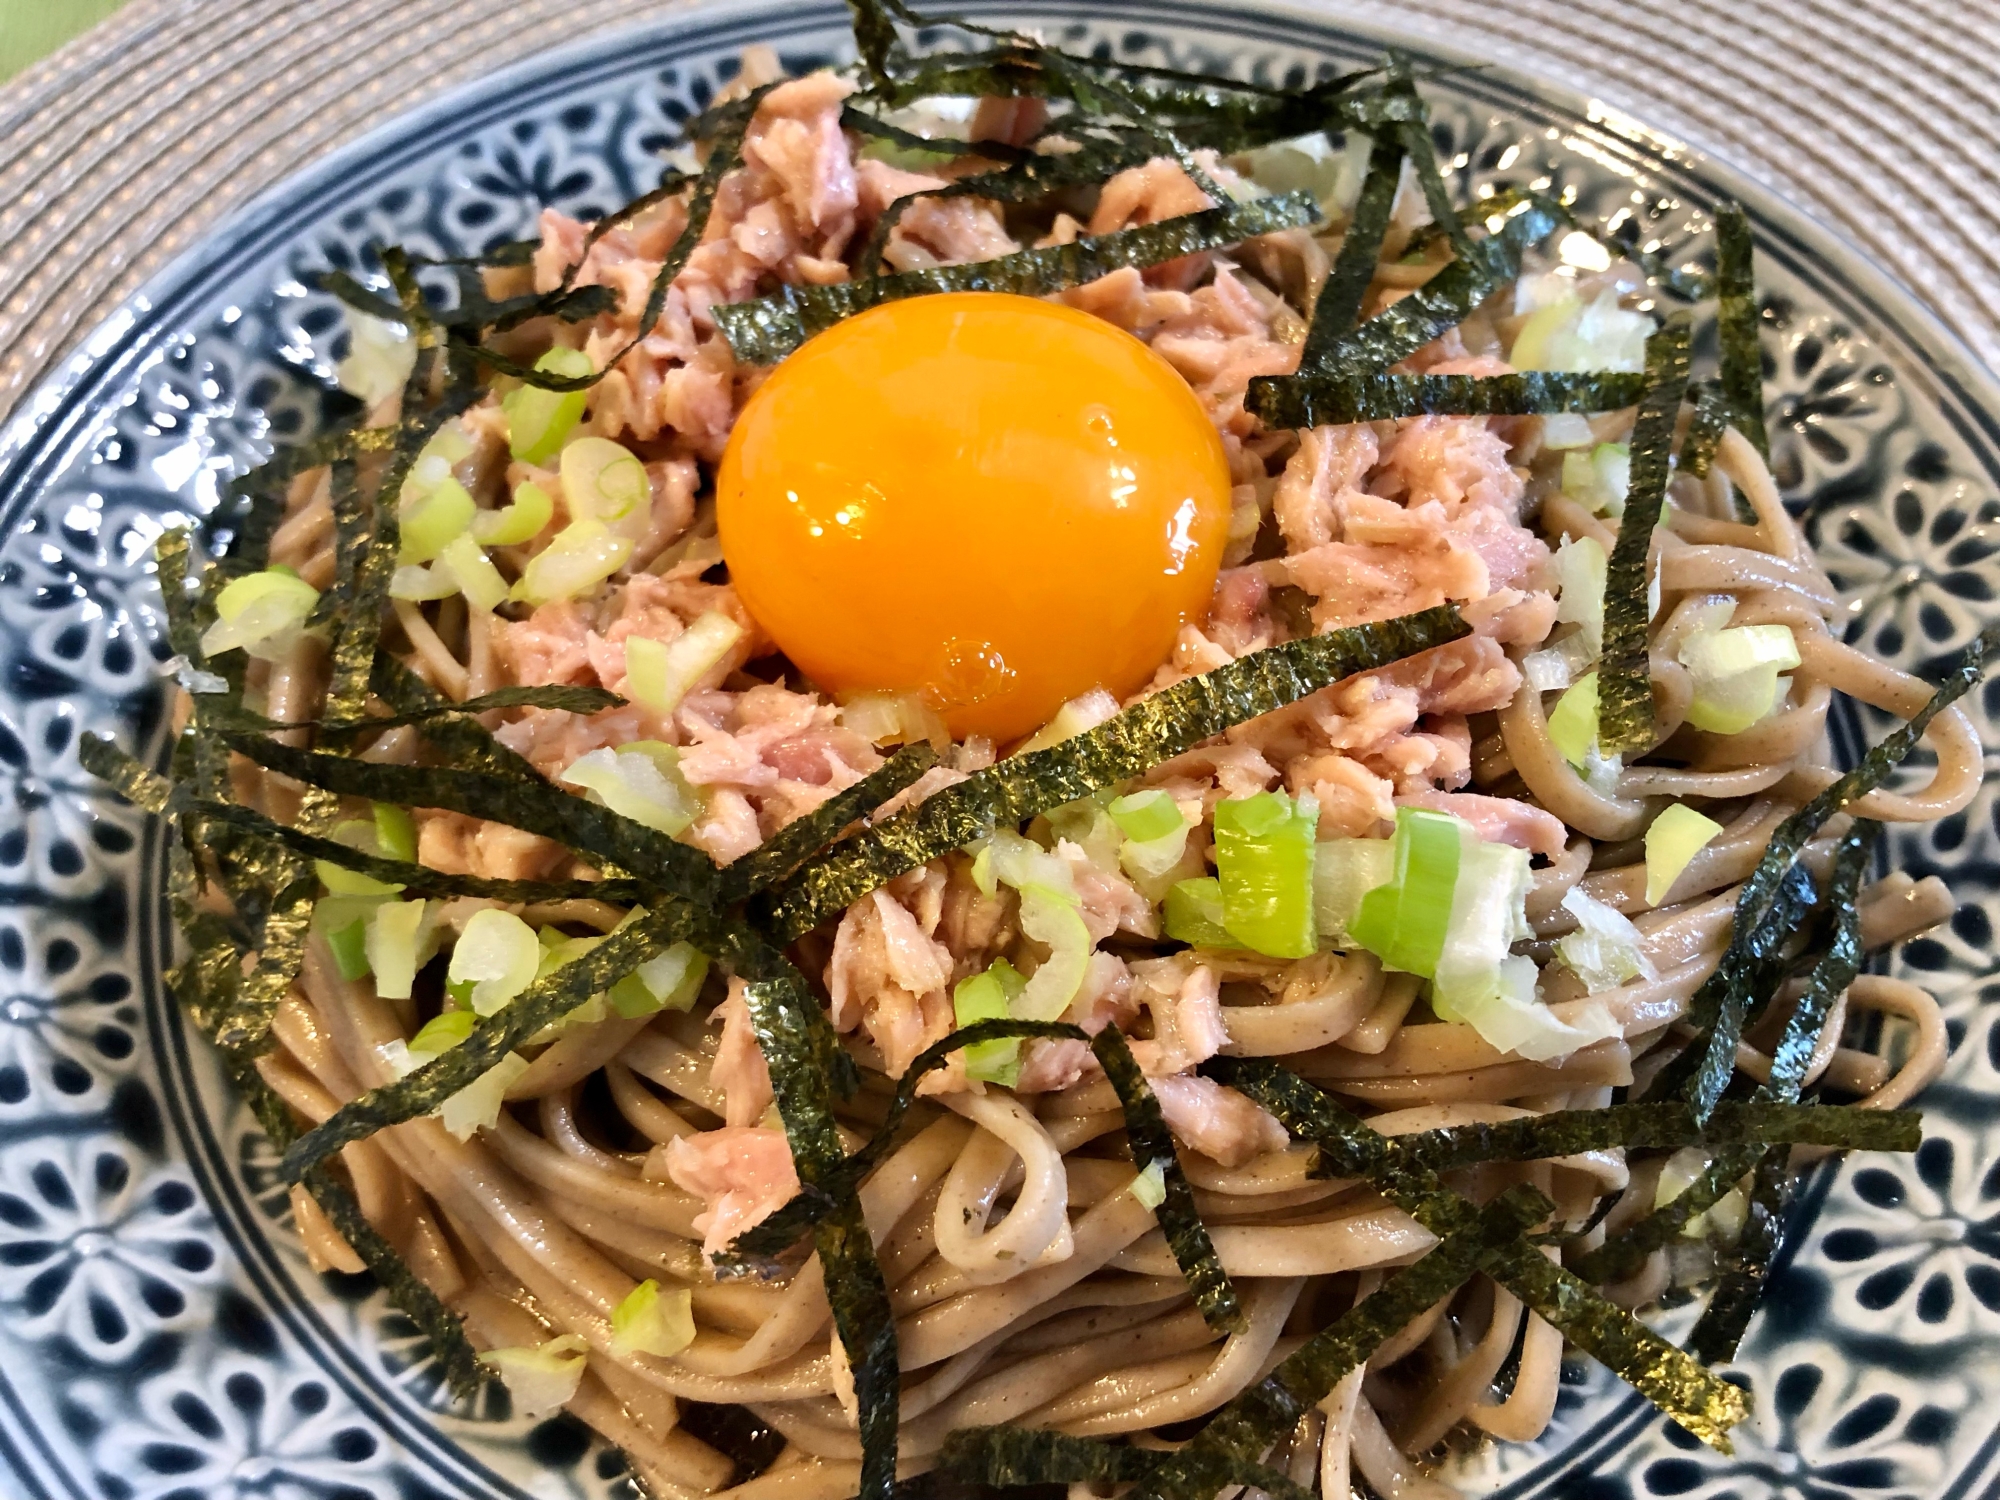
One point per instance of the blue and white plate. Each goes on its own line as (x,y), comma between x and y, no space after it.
(160,1333)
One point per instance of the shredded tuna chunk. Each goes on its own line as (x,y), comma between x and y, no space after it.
(1498,820)
(1216,1121)
(743,1173)
(888,978)
(459,845)
(1184,1000)
(739,1069)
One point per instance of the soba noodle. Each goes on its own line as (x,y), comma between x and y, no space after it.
(1028,1285)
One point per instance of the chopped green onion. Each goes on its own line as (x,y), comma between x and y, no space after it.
(523,521)
(579,557)
(1573,722)
(1404,922)
(641,781)
(1193,914)
(395,832)
(1735,674)
(1488,916)
(1605,950)
(650,1321)
(498,955)
(539,420)
(433,519)
(473,572)
(1511,1019)
(1052,916)
(989,997)
(1146,816)
(421,585)
(397,937)
(441,1033)
(348,945)
(1150,1186)
(1672,841)
(604,481)
(477,1106)
(659,675)
(543,1379)
(260,613)
(1566,430)
(342,881)
(1087,823)
(1072,719)
(449,445)
(893,718)
(380,357)
(1581,563)
(1599,478)
(1264,862)
(1572,335)
(671,981)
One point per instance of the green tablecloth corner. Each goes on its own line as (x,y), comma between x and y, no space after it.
(31,29)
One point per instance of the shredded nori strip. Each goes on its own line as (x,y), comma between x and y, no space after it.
(1746,1263)
(765,331)
(1439,304)
(1314,400)
(1151,1144)
(1338,307)
(543,1003)
(1145,1129)
(1719,1005)
(537,807)
(1158,728)
(795,843)
(1705,429)
(1016,1457)
(576,700)
(1249,1424)
(1624,678)
(1736,324)
(466,741)
(1663,1126)
(1680,1387)
(781,1011)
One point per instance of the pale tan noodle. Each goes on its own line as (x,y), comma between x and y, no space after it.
(1028,1284)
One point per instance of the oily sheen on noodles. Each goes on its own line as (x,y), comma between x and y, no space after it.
(1029,1280)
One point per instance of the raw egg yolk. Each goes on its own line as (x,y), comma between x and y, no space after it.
(996,502)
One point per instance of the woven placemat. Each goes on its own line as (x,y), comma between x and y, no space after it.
(127,146)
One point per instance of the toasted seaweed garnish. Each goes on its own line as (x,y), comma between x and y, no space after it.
(543,1003)
(1624,679)
(465,741)
(1156,729)
(795,843)
(765,331)
(576,700)
(1152,1144)
(1704,430)
(416,879)
(1666,1126)
(537,807)
(1622,1256)
(1746,1263)
(1736,324)
(1014,1457)
(1312,400)
(1145,1129)
(439,1325)
(1025,181)
(1690,1395)
(1761,924)
(782,1015)
(1338,307)
(1248,1425)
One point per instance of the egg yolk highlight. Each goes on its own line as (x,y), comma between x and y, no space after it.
(994,501)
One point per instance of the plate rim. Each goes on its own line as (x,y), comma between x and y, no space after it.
(39,437)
